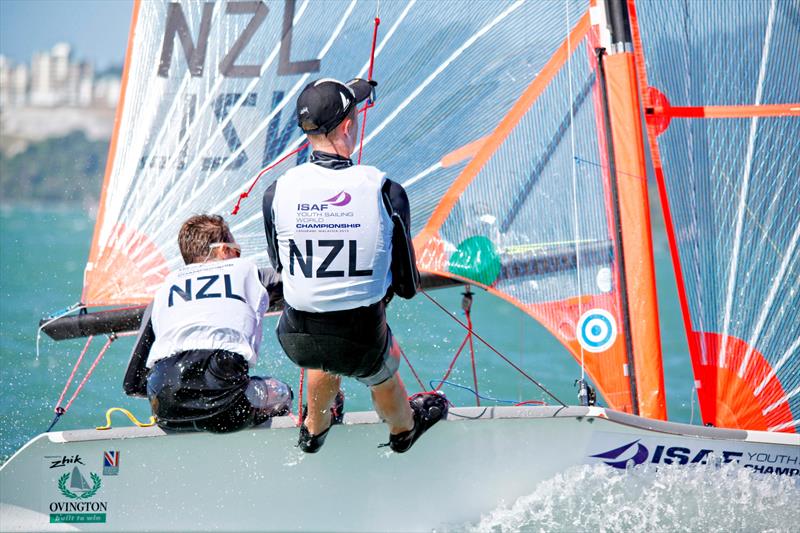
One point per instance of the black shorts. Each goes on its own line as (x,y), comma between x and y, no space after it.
(354,342)
(210,390)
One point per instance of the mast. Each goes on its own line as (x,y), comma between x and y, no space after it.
(623,277)
(628,177)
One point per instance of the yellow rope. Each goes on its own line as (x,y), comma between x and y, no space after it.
(130,417)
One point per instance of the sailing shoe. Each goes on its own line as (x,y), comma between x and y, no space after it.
(312,443)
(429,408)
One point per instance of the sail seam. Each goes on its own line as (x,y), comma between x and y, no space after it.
(767,306)
(506,125)
(187,173)
(777,366)
(745,189)
(468,43)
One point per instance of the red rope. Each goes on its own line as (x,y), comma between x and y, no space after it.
(472,358)
(369,78)
(58,408)
(88,373)
(452,363)
(264,171)
(492,348)
(300,398)
(414,372)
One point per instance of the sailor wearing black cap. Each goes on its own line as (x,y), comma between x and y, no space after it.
(339,235)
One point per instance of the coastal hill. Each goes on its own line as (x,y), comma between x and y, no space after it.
(64,169)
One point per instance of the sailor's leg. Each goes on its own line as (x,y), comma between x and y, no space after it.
(322,390)
(388,392)
(391,403)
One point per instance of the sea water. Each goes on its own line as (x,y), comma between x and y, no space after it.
(42,255)
(705,498)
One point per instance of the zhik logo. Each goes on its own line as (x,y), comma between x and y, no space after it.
(638,458)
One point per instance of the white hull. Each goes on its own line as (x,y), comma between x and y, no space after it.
(258,480)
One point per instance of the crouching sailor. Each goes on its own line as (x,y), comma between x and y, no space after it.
(339,233)
(201,335)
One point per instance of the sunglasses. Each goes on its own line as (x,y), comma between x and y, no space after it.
(230,245)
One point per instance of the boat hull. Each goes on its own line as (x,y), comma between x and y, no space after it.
(259,480)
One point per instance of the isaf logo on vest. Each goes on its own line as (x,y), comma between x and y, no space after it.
(339,200)
(305,261)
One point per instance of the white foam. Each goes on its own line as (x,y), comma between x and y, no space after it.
(667,498)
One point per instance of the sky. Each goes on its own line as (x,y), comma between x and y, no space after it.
(96,29)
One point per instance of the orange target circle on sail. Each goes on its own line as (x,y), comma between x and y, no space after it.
(596,330)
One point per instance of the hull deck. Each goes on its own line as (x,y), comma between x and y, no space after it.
(258,480)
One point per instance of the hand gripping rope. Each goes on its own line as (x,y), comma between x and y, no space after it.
(363,110)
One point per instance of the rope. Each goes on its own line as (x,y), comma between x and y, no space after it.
(264,171)
(59,410)
(130,416)
(453,362)
(492,348)
(72,375)
(89,373)
(300,397)
(370,103)
(416,376)
(487,398)
(472,355)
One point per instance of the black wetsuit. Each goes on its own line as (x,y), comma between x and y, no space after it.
(352,342)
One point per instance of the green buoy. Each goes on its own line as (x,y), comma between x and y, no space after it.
(477,259)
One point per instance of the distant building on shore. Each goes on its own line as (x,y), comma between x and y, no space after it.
(55,80)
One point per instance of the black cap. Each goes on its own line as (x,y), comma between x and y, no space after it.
(325,103)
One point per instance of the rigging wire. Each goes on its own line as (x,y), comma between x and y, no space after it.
(466,305)
(487,398)
(492,348)
(574,183)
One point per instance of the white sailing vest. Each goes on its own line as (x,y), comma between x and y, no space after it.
(209,306)
(334,237)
